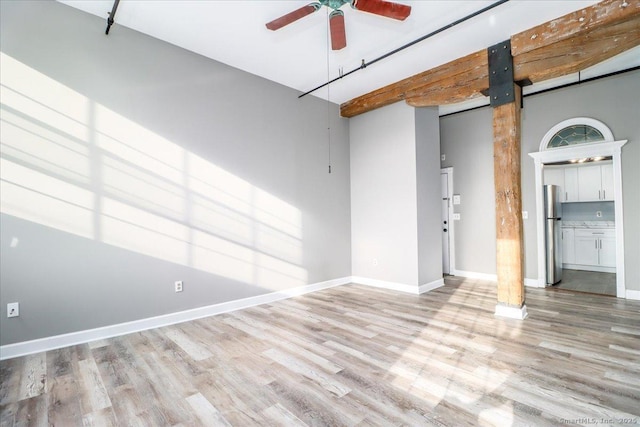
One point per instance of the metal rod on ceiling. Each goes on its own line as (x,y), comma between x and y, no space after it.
(418,40)
(110,19)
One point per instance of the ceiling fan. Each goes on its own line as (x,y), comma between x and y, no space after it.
(336,17)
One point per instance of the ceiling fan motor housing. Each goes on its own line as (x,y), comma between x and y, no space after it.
(334,4)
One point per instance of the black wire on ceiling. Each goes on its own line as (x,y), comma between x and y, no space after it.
(418,40)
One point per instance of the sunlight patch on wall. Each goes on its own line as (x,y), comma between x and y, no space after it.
(75,165)
(39,198)
(29,141)
(141,231)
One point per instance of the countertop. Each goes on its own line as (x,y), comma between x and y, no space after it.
(588,224)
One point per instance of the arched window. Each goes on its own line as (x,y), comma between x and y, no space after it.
(580,130)
(576,134)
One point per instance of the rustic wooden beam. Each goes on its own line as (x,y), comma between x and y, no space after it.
(451,93)
(602,14)
(471,78)
(577,53)
(506,166)
(608,29)
(556,60)
(390,94)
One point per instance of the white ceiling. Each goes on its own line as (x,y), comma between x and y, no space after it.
(297,56)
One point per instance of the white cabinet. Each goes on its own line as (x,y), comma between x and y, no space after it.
(595,247)
(595,183)
(566,179)
(586,248)
(568,246)
(589,183)
(607,252)
(554,175)
(607,181)
(582,183)
(571,185)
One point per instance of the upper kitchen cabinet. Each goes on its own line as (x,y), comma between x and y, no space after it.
(591,182)
(595,182)
(571,193)
(608,192)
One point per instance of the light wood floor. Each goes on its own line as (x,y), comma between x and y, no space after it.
(353,356)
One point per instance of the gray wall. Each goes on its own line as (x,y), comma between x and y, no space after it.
(467,143)
(429,194)
(131,163)
(395,190)
(383,195)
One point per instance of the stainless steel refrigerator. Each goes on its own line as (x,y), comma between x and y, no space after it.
(553,233)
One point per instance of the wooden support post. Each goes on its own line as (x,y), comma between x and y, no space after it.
(509,244)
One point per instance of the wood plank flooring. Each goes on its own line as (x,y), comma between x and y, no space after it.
(350,356)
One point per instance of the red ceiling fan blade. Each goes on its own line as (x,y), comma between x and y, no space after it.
(290,17)
(338,33)
(383,8)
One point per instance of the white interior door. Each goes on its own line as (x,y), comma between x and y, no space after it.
(446,199)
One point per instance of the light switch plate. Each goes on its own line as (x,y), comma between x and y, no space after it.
(525,215)
(13,309)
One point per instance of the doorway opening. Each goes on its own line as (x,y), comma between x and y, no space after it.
(582,158)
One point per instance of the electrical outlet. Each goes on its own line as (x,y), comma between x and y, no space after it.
(456,199)
(443,157)
(178,286)
(13,309)
(375,262)
(599,214)
(525,215)
(456,217)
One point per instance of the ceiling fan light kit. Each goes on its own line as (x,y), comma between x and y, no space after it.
(336,17)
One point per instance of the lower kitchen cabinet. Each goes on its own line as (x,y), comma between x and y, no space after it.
(595,248)
(568,246)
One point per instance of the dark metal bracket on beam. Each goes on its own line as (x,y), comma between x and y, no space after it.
(501,74)
(112,14)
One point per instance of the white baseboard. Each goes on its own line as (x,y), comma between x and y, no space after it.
(395,286)
(431,286)
(519,313)
(533,283)
(474,275)
(632,294)
(589,268)
(81,337)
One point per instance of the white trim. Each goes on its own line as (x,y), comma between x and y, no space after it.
(534,283)
(474,275)
(394,286)
(81,337)
(599,268)
(519,313)
(451,222)
(604,130)
(431,286)
(613,149)
(633,294)
(401,287)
